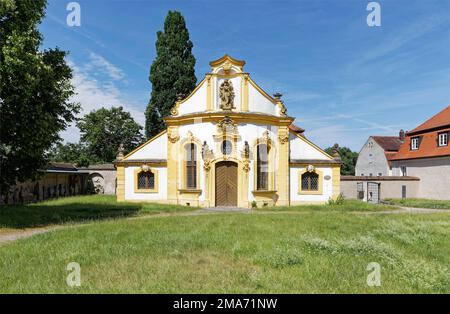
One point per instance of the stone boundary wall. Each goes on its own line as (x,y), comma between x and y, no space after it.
(49,186)
(390,186)
(62,180)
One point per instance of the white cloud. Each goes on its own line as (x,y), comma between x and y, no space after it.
(399,38)
(345,129)
(382,90)
(326,136)
(101,64)
(93,94)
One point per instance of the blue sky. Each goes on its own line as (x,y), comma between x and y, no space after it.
(341,79)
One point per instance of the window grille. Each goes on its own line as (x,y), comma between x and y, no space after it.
(146,181)
(310,181)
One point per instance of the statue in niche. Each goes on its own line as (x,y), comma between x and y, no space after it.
(226,95)
(246,152)
(120,152)
(206,152)
(207,155)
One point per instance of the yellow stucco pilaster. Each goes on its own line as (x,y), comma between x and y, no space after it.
(209,93)
(207,202)
(120,184)
(172,164)
(243,187)
(282,171)
(336,181)
(244,93)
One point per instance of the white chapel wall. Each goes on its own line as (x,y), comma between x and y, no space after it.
(196,103)
(157,149)
(295,181)
(257,102)
(300,149)
(130,178)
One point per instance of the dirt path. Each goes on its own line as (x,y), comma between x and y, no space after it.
(13,235)
(17,234)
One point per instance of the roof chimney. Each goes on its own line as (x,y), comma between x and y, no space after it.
(401,135)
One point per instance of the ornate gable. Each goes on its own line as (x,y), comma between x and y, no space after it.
(227,65)
(227,88)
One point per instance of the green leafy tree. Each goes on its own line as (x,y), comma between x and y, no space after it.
(103,130)
(348,158)
(35,89)
(172,72)
(74,153)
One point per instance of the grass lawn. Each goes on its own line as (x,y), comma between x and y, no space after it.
(348,206)
(420,202)
(76,209)
(296,252)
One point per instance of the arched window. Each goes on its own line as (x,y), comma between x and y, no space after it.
(191,166)
(310,181)
(262,167)
(146,180)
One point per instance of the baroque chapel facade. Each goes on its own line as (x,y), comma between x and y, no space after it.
(229,143)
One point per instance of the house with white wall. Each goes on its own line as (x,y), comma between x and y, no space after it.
(374,159)
(416,164)
(425,154)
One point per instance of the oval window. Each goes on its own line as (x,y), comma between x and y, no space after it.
(227,147)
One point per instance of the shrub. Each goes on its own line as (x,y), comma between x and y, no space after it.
(340,200)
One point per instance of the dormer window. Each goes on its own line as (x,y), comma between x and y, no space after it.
(415,143)
(443,139)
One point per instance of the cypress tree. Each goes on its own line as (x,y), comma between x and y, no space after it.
(172,72)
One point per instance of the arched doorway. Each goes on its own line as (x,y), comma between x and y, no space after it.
(226,183)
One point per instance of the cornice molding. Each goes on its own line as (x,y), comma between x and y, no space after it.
(238,117)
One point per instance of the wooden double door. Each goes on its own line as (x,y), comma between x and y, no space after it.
(226,183)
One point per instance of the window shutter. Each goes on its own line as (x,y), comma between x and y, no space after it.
(419,141)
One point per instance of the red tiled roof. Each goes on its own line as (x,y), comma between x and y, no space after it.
(428,147)
(296,129)
(441,119)
(428,134)
(388,143)
(389,156)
